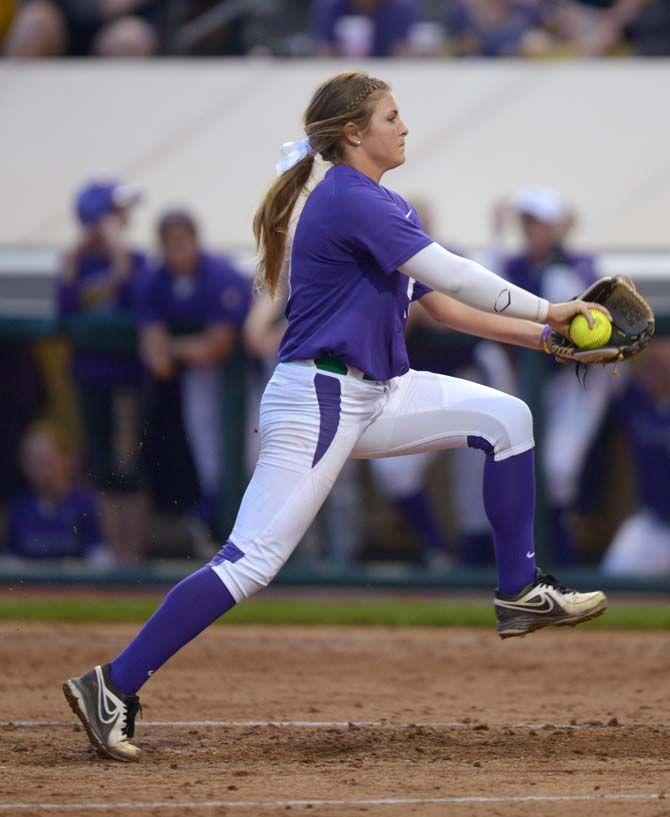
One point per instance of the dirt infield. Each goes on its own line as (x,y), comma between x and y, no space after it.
(374,722)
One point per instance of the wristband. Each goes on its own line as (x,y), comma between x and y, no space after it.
(544,339)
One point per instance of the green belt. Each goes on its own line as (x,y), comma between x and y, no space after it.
(334,364)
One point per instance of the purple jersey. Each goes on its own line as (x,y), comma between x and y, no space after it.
(41,530)
(347,298)
(563,276)
(485,40)
(101,368)
(392,21)
(647,426)
(215,294)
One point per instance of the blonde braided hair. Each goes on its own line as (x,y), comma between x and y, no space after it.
(372,84)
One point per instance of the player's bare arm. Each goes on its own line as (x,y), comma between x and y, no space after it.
(487,325)
(491,326)
(263,328)
(155,350)
(214,345)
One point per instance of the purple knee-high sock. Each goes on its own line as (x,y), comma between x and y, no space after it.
(509,501)
(188,608)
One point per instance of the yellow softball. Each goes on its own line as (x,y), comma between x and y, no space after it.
(587,338)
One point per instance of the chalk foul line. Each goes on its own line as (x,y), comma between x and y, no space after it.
(382,801)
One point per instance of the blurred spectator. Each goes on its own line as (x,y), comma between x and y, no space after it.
(336,534)
(402,480)
(7,12)
(363,28)
(54,520)
(572,414)
(641,546)
(100,282)
(190,315)
(597,28)
(105,28)
(589,28)
(649,30)
(207,28)
(495,28)
(21,377)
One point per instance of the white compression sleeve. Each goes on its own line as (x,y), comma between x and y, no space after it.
(472,284)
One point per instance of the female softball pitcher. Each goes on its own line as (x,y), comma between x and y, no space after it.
(343,388)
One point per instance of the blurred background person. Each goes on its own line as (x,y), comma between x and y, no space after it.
(402,480)
(104,28)
(190,316)
(100,280)
(597,28)
(209,28)
(21,377)
(363,28)
(54,519)
(649,28)
(572,414)
(336,536)
(7,12)
(641,546)
(496,28)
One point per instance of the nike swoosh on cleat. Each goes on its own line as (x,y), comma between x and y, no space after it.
(105,715)
(544,605)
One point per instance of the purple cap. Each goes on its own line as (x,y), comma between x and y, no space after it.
(99,198)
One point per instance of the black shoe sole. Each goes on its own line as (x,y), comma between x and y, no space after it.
(97,744)
(539,625)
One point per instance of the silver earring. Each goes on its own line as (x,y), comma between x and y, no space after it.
(358,143)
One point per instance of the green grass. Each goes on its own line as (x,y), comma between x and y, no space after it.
(391,613)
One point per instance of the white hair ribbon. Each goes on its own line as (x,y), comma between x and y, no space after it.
(291,154)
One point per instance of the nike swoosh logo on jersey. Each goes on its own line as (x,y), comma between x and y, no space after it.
(530,554)
(545,604)
(105,715)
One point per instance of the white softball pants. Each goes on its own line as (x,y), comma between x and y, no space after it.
(573,417)
(201,401)
(312,421)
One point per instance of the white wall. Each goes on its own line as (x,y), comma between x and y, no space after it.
(207,134)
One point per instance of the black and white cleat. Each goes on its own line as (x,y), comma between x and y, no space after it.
(108,715)
(545,603)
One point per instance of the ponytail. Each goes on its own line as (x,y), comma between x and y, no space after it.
(346,97)
(272,219)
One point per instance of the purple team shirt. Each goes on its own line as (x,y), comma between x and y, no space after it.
(216,293)
(504,39)
(101,368)
(40,530)
(520,270)
(347,298)
(647,426)
(392,21)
